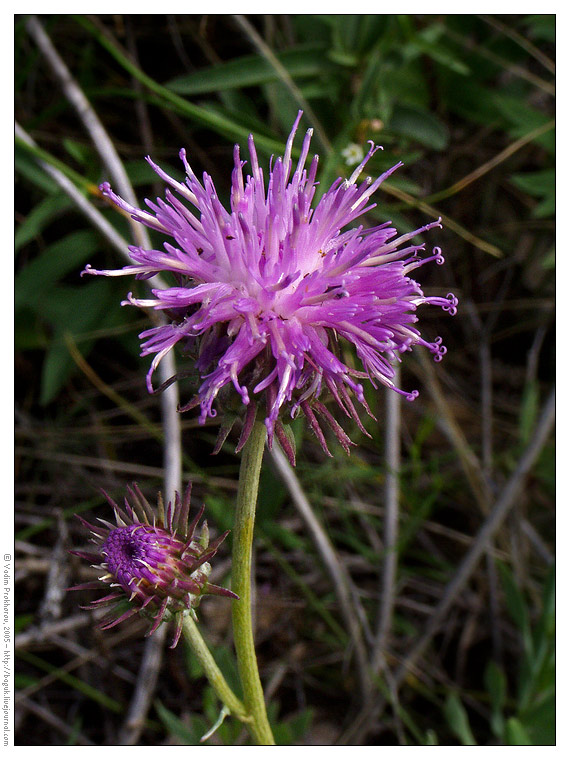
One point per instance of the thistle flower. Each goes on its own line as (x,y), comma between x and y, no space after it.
(268,291)
(157,567)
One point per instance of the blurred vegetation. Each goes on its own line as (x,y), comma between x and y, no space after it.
(467,103)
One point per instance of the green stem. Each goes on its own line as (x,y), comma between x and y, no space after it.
(241,583)
(211,670)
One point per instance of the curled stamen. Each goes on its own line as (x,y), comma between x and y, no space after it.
(439,260)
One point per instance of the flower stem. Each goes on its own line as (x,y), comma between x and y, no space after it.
(241,584)
(211,670)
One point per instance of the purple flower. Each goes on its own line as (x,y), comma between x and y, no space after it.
(156,568)
(268,292)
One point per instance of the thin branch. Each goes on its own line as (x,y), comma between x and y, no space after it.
(147,677)
(512,68)
(111,159)
(538,544)
(393,420)
(60,725)
(331,562)
(447,221)
(480,171)
(130,469)
(469,461)
(522,41)
(39,633)
(57,575)
(486,407)
(172,444)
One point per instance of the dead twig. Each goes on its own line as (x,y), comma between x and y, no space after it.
(147,678)
(387,590)
(469,461)
(522,41)
(46,715)
(38,634)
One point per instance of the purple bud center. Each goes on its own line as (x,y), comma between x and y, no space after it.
(138,553)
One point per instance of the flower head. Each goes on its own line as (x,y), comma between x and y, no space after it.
(268,291)
(157,568)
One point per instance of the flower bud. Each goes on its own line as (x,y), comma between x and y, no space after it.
(156,563)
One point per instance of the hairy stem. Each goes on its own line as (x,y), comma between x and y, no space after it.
(241,584)
(211,670)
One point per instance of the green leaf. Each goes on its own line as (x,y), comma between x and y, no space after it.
(515,734)
(250,71)
(546,208)
(300,724)
(57,260)
(544,632)
(540,184)
(517,608)
(541,27)
(431,738)
(537,184)
(79,311)
(539,720)
(69,679)
(428,42)
(141,173)
(22,681)
(21,622)
(524,119)
(419,125)
(549,259)
(283,104)
(529,410)
(225,661)
(78,151)
(272,495)
(71,740)
(538,679)
(214,119)
(343,58)
(28,168)
(457,719)
(407,84)
(190,735)
(39,218)
(496,684)
(474,103)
